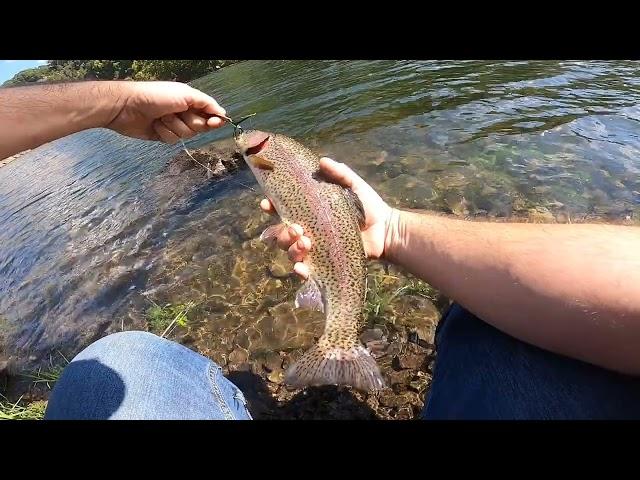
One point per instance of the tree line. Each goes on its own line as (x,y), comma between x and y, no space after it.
(70,70)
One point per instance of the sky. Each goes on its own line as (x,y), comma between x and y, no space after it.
(8,68)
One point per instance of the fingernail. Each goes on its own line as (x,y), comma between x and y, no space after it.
(300,244)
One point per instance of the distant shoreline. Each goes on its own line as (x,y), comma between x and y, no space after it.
(10,159)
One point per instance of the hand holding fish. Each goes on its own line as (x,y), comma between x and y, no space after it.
(376,231)
(332,216)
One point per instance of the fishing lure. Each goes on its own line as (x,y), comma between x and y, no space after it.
(237,129)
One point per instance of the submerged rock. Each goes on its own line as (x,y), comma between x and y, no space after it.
(213,161)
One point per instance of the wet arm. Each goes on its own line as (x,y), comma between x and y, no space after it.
(571,289)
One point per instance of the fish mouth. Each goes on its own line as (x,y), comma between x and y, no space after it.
(259,147)
(255,142)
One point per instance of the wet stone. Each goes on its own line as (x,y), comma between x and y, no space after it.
(372,334)
(391,399)
(252,228)
(242,340)
(272,362)
(404,413)
(277,376)
(281,266)
(457,204)
(421,317)
(238,356)
(420,384)
(402,376)
(408,361)
(279,270)
(246,367)
(395,347)
(219,357)
(377,348)
(399,334)
(291,358)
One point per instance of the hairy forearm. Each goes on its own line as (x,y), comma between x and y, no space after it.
(34,115)
(571,289)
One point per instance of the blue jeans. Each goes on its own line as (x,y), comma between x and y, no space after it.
(138,375)
(484,374)
(480,373)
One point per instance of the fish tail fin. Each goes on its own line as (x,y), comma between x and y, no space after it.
(336,366)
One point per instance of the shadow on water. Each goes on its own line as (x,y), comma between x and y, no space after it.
(315,403)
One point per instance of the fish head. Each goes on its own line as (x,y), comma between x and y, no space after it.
(257,150)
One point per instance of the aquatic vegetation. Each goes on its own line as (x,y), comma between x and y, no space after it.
(419,287)
(379,296)
(165,318)
(383,291)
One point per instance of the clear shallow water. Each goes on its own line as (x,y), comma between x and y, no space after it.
(93,225)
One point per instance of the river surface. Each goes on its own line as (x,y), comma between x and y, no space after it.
(94,229)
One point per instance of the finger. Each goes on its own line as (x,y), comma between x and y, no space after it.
(267,206)
(342,175)
(164,133)
(301,269)
(193,121)
(337,172)
(289,236)
(177,126)
(204,102)
(215,122)
(299,249)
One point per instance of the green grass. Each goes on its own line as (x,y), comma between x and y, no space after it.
(49,375)
(165,318)
(15,411)
(380,296)
(35,410)
(420,288)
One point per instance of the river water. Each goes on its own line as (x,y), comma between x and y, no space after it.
(94,228)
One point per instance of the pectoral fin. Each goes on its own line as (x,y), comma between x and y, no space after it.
(309,296)
(270,234)
(261,162)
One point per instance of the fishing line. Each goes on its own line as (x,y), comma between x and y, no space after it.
(184,147)
(236,133)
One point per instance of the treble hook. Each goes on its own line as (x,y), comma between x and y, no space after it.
(237,130)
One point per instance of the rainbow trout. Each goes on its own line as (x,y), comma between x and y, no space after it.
(330,216)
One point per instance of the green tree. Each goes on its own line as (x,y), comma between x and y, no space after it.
(66,70)
(178,70)
(31,75)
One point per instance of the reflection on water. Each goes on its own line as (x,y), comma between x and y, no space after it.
(94,227)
